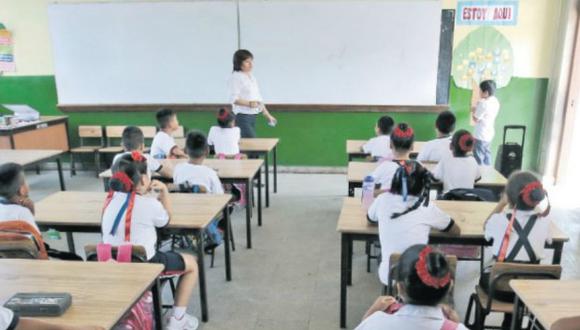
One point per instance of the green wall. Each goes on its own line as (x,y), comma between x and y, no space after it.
(316,139)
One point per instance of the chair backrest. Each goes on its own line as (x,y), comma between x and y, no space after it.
(20,240)
(90,131)
(179,133)
(148,131)
(138,253)
(113,132)
(569,323)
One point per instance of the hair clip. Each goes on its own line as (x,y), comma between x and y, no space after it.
(137,156)
(398,132)
(526,193)
(125,180)
(423,271)
(466,142)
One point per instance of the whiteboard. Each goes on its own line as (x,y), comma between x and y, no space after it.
(344,52)
(143,53)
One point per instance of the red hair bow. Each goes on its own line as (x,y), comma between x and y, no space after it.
(408,133)
(423,271)
(124,178)
(527,193)
(466,142)
(223,115)
(137,156)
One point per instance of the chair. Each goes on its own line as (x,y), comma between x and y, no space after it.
(501,274)
(113,134)
(148,133)
(86,133)
(394,262)
(20,240)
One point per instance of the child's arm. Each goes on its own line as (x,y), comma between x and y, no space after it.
(267,114)
(503,202)
(161,188)
(24,201)
(453,229)
(381,304)
(177,152)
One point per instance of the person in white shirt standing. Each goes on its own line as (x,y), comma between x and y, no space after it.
(244,95)
(163,145)
(460,171)
(483,114)
(225,138)
(438,149)
(379,147)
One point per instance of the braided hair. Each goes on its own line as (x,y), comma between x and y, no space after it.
(411,178)
(462,143)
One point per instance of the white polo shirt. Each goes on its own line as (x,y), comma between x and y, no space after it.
(224,140)
(457,172)
(244,86)
(6,318)
(485,112)
(435,150)
(148,214)
(396,235)
(540,234)
(384,173)
(409,317)
(379,146)
(198,175)
(153,165)
(14,212)
(162,145)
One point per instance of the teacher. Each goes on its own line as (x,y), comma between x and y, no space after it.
(245,95)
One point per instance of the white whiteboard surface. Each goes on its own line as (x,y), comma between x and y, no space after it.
(143,53)
(344,52)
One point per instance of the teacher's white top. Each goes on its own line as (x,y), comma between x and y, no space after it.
(244,86)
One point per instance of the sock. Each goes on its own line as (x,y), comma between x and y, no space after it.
(179,312)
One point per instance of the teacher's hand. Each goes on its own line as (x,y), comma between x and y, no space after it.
(254,104)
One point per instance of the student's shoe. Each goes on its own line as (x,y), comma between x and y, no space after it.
(187,322)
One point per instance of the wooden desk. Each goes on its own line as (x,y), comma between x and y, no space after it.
(262,147)
(101,292)
(81,212)
(229,171)
(354,148)
(470,216)
(50,132)
(548,300)
(490,177)
(28,158)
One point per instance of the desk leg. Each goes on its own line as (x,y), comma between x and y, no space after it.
(260,197)
(349,246)
(275,161)
(350,189)
(227,244)
(157,309)
(70,241)
(267,174)
(106,183)
(249,193)
(60,176)
(517,315)
(558,247)
(349,158)
(202,285)
(343,277)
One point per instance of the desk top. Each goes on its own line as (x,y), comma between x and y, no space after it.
(469,216)
(489,175)
(41,121)
(28,156)
(75,208)
(355,146)
(101,292)
(549,300)
(246,145)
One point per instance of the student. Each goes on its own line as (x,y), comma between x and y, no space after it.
(163,145)
(438,149)
(380,146)
(11,321)
(194,173)
(401,144)
(461,170)
(404,214)
(134,140)
(128,202)
(14,201)
(423,281)
(483,114)
(225,138)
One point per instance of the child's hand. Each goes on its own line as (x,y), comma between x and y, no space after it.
(26,202)
(450,313)
(158,186)
(254,104)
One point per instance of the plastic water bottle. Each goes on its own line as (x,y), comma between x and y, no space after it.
(368,191)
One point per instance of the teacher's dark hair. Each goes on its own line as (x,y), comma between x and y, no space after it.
(239,57)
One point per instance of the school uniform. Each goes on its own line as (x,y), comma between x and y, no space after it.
(409,317)
(244,86)
(396,235)
(383,174)
(225,140)
(162,145)
(485,113)
(457,172)
(153,165)
(8,320)
(198,175)
(379,147)
(435,150)
(14,212)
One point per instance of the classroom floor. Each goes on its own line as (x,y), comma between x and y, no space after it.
(290,279)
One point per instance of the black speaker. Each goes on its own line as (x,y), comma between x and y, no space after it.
(510,154)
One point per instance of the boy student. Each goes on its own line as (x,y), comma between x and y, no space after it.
(438,149)
(380,146)
(10,321)
(163,145)
(133,140)
(483,113)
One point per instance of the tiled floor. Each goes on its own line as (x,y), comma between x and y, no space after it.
(290,279)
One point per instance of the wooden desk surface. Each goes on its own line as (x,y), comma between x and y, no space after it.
(75,208)
(470,217)
(354,146)
(246,145)
(101,292)
(42,120)
(25,157)
(549,300)
(489,175)
(225,168)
